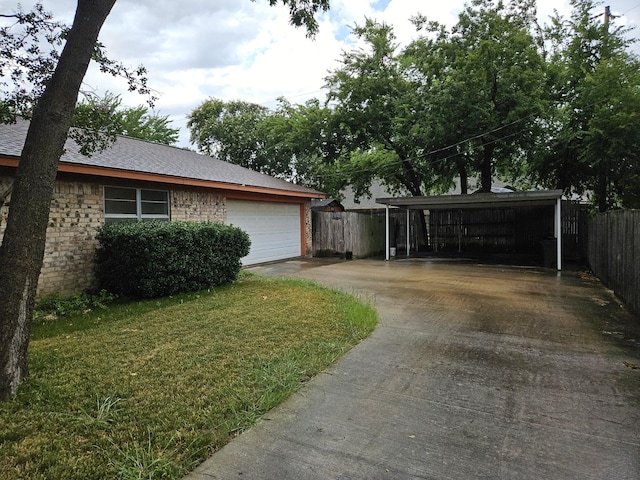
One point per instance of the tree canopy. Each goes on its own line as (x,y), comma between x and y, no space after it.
(228,131)
(102,118)
(593,128)
(496,95)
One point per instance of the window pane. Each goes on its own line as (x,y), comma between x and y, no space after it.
(154,195)
(120,193)
(132,203)
(119,207)
(149,208)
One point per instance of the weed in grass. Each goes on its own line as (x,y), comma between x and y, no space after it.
(135,461)
(50,307)
(104,414)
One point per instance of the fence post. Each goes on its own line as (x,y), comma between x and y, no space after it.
(558,229)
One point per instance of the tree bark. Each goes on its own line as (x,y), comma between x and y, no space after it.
(461,163)
(22,249)
(486,167)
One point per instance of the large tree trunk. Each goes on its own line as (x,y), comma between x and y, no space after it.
(461,163)
(22,249)
(486,167)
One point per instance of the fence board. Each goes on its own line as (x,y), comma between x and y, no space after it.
(364,234)
(341,233)
(614,253)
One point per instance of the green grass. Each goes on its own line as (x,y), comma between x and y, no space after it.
(151,389)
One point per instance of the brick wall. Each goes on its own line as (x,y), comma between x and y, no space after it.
(308,231)
(76,213)
(5,182)
(75,216)
(197,206)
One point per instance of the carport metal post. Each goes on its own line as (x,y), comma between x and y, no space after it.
(387,232)
(558,232)
(408,232)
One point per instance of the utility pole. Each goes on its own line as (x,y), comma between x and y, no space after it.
(603,181)
(607,18)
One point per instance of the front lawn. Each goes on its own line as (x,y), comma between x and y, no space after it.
(151,389)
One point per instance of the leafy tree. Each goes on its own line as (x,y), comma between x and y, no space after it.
(593,133)
(57,80)
(375,107)
(453,103)
(106,116)
(137,122)
(229,131)
(484,80)
(303,143)
(294,142)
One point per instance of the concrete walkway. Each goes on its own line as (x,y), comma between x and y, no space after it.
(474,372)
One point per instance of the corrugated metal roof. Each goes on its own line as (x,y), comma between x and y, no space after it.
(134,155)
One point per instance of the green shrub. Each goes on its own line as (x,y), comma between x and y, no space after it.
(158,259)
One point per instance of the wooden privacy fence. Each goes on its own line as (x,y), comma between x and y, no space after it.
(348,234)
(363,234)
(614,253)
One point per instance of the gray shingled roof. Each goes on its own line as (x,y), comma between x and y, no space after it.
(134,155)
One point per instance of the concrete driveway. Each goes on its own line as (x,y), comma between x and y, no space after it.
(474,372)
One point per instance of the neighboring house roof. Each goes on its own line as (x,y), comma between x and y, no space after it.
(320,204)
(143,160)
(377,190)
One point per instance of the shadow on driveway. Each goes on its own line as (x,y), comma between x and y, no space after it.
(474,372)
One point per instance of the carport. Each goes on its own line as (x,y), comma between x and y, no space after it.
(485,201)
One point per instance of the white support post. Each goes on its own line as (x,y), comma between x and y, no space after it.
(558,231)
(387,234)
(408,232)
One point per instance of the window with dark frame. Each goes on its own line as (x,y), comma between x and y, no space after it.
(123,204)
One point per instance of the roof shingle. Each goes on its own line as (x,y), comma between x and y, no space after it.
(134,155)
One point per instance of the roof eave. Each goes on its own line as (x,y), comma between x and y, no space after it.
(74,168)
(479,200)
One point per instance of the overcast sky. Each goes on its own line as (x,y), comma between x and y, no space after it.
(238,49)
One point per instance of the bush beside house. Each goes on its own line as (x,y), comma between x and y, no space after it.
(157,259)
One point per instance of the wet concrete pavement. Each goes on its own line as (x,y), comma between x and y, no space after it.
(474,372)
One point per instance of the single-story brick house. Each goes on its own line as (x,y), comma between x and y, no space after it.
(136,179)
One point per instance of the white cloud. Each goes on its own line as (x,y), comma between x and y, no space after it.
(238,49)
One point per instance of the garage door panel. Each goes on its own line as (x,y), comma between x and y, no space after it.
(274,229)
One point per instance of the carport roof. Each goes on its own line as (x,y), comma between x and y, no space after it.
(475,200)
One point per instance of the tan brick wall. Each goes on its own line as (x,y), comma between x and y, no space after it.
(75,216)
(198,206)
(5,182)
(76,213)
(308,228)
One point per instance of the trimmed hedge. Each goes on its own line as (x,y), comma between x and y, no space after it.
(158,259)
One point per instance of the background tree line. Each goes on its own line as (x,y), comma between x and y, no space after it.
(495,96)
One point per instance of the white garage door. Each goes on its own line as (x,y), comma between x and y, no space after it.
(274,229)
